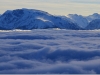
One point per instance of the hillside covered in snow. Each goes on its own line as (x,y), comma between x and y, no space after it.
(36,19)
(86,22)
(95,24)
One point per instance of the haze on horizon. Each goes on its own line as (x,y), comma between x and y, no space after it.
(57,7)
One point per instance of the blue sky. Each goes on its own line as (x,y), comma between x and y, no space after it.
(57,7)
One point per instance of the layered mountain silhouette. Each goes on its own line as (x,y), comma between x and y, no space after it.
(95,24)
(36,19)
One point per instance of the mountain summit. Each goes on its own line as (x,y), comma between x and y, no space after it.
(79,19)
(27,19)
(34,19)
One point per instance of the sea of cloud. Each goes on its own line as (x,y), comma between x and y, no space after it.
(50,52)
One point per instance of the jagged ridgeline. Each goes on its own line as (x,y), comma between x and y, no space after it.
(36,19)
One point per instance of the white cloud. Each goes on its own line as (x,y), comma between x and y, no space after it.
(50,51)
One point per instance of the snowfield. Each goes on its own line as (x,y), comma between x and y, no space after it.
(50,51)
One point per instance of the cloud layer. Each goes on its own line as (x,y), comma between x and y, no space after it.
(50,52)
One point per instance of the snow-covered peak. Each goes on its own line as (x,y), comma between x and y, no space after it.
(34,19)
(93,17)
(79,19)
(96,14)
(95,24)
(73,15)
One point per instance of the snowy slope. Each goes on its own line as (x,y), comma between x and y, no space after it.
(95,24)
(93,17)
(37,19)
(33,19)
(79,19)
(94,21)
(86,22)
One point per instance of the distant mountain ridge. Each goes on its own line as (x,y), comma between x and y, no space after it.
(79,19)
(95,24)
(36,19)
(84,21)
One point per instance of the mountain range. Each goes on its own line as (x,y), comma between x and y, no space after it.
(36,19)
